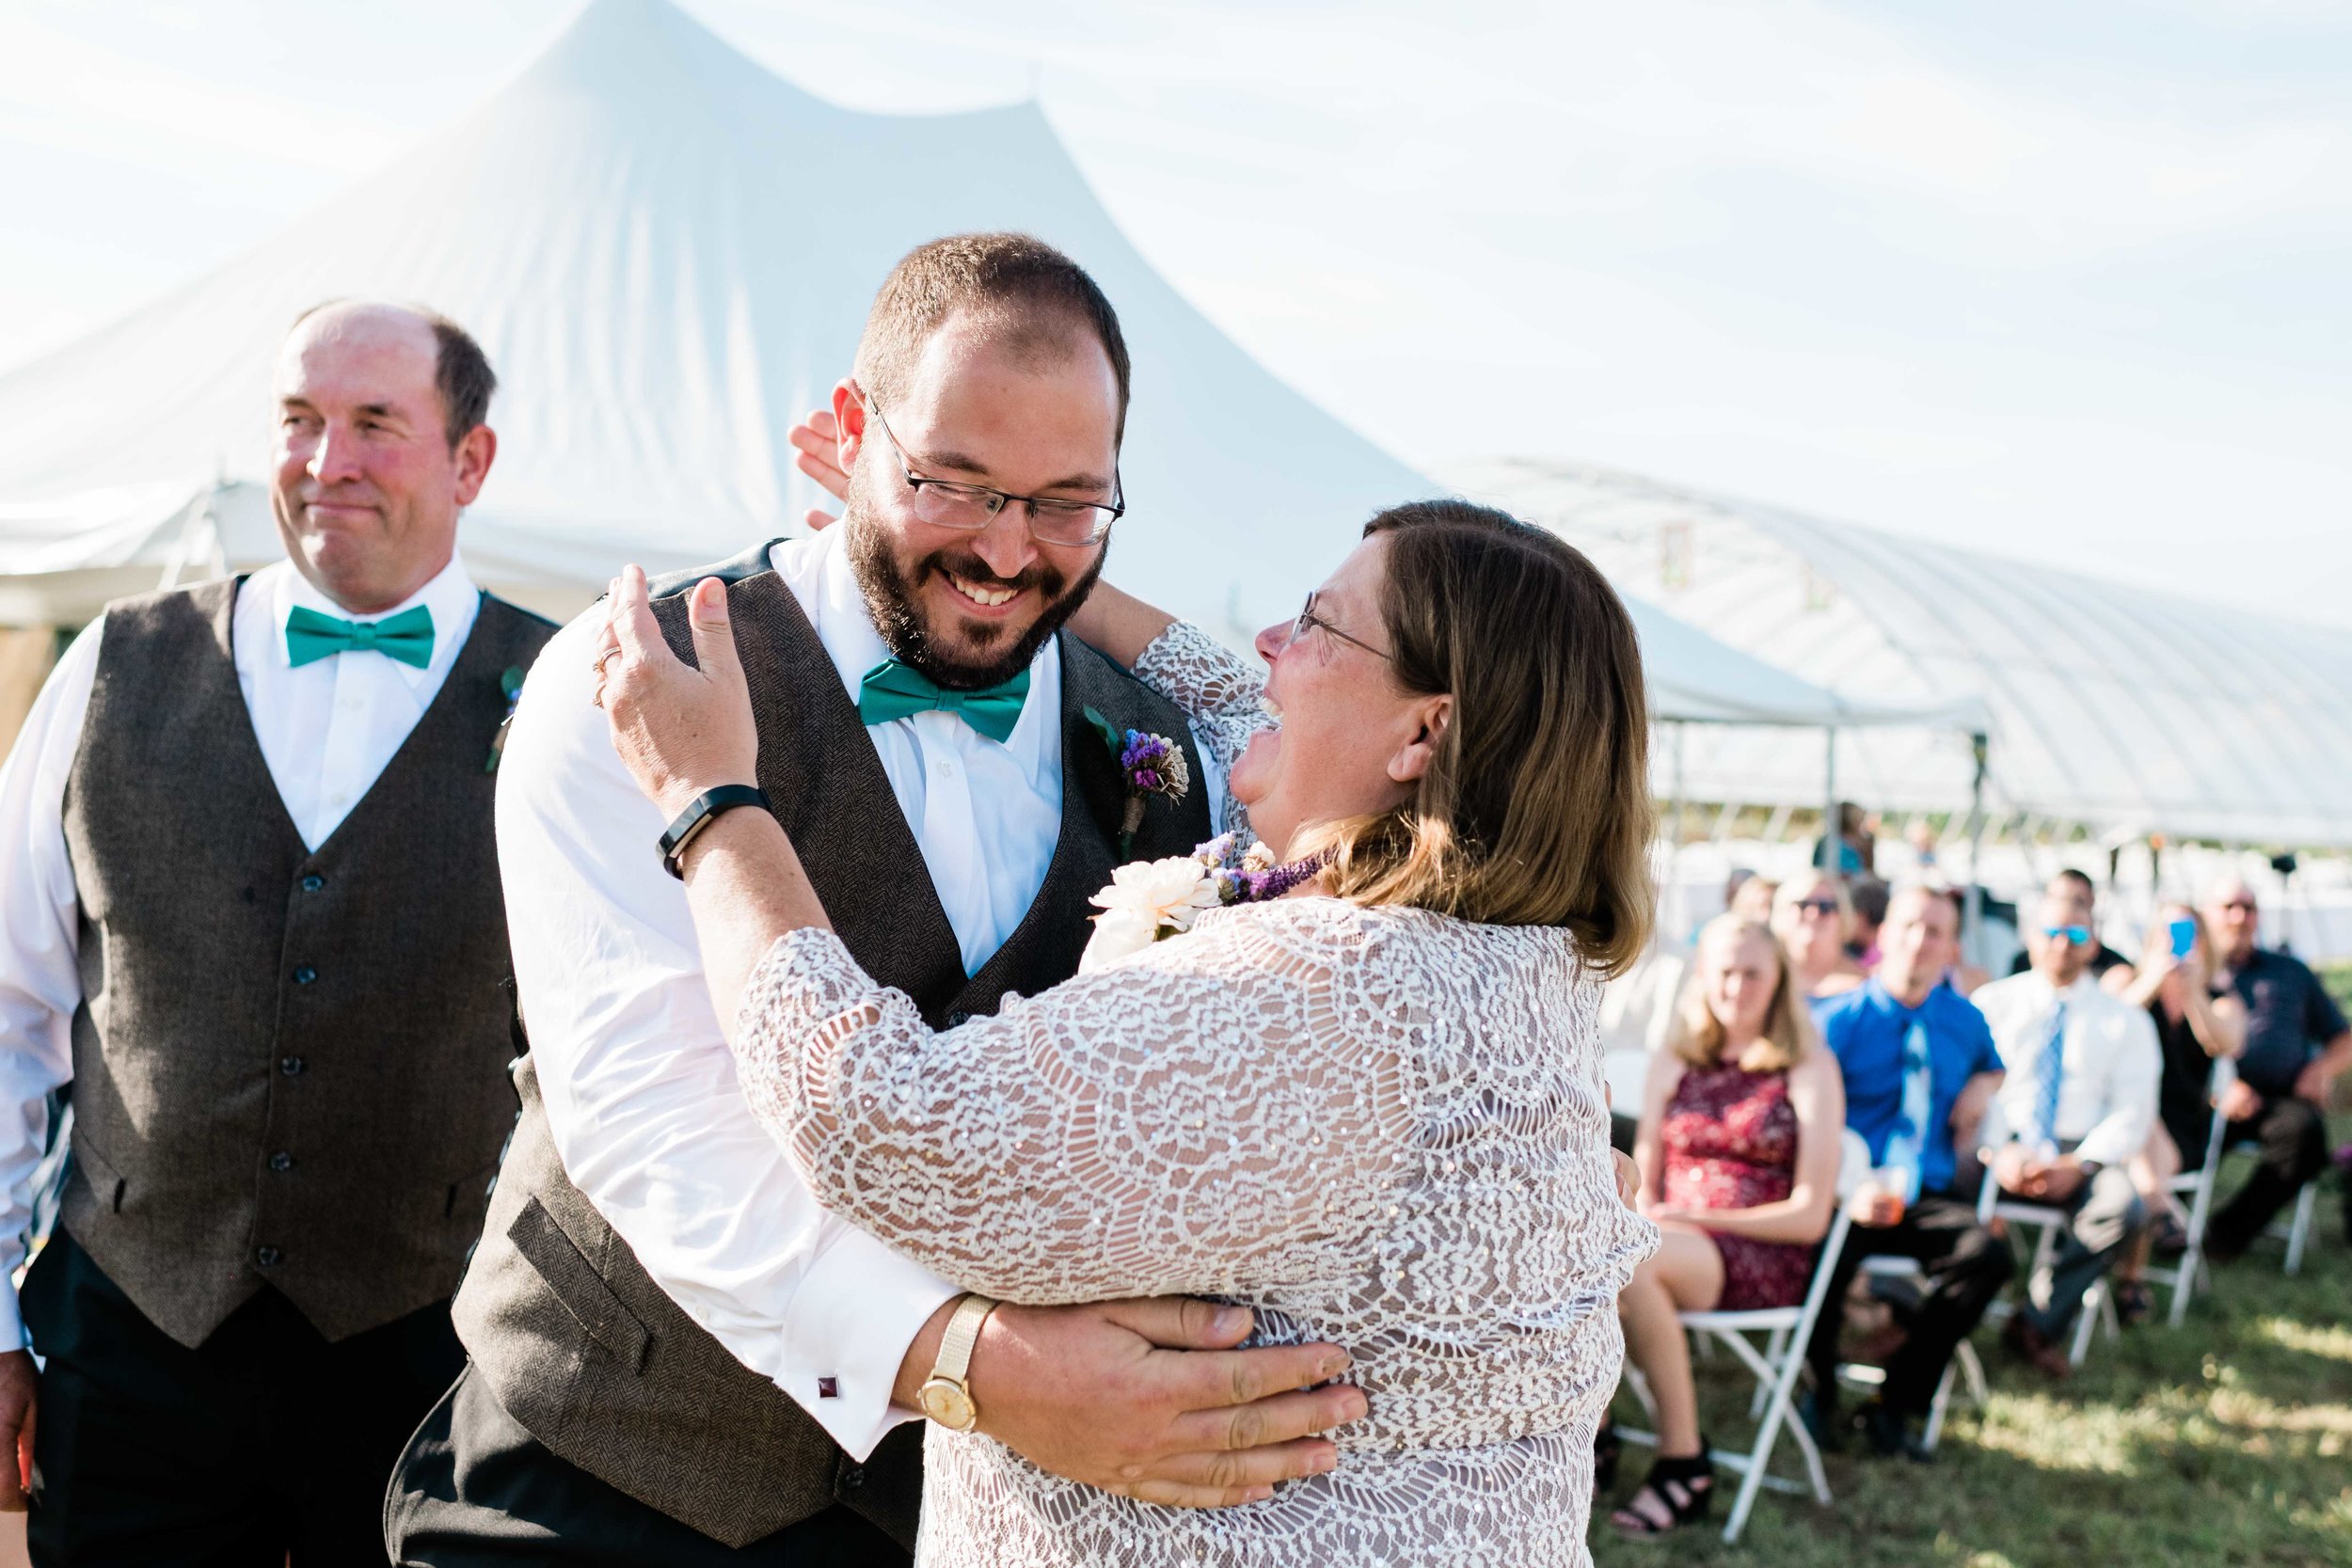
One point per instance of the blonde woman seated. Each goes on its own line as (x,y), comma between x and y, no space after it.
(1742,1124)
(1813,917)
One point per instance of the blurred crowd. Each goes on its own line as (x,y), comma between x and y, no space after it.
(2036,1148)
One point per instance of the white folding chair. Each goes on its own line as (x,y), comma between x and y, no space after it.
(1775,1364)
(2197,1186)
(1964,1365)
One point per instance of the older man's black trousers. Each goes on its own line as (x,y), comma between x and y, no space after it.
(2291,1140)
(1967,1266)
(265,1445)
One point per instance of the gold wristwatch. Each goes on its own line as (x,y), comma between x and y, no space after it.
(946,1397)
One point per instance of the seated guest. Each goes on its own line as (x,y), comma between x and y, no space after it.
(1813,918)
(1917,1061)
(2194,1026)
(1869,896)
(2079,1100)
(1749,895)
(2108,967)
(1739,1148)
(2296,1041)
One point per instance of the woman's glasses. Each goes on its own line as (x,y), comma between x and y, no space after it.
(1307,620)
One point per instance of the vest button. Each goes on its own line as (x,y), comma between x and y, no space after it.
(281,1161)
(313,883)
(852,1477)
(289,1066)
(305,974)
(957,1020)
(268,1257)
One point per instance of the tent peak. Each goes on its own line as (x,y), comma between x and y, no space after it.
(624,49)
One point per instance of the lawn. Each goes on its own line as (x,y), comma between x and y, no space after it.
(2223,1443)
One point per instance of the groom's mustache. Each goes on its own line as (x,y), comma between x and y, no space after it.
(1048,582)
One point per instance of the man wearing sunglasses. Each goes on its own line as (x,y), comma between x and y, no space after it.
(2108,967)
(2078,1102)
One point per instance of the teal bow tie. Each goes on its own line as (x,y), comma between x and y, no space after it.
(406,637)
(892,690)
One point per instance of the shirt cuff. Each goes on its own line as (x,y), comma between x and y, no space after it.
(12,1335)
(857,1310)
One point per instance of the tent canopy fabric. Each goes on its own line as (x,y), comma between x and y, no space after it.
(632,230)
(2123,709)
(662,294)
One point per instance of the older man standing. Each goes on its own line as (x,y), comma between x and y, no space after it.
(2296,1042)
(2079,1099)
(251,911)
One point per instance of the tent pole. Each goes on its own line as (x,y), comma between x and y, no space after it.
(1831,836)
(1972,916)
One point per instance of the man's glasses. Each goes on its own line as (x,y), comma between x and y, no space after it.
(1824,908)
(947,503)
(2078,935)
(1307,620)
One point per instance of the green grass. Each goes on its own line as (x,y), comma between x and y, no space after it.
(2225,1442)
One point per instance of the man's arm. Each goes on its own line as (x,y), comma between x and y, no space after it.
(652,1126)
(2323,1020)
(41,984)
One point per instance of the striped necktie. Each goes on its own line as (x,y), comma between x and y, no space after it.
(2049,1073)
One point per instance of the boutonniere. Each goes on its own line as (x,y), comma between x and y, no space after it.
(1149,901)
(510,683)
(1149,765)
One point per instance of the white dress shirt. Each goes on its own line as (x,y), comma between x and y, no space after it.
(327,731)
(639,1084)
(2108,1074)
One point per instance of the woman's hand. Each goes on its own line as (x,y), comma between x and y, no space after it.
(1628,1180)
(818,437)
(680,730)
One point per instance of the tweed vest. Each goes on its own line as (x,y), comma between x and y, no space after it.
(575,1340)
(290,1067)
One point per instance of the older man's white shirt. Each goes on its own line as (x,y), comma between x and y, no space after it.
(637,1081)
(2109,1071)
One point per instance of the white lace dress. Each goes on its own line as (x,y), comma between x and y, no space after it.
(1383,1128)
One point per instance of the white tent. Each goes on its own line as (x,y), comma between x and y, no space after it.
(667,251)
(2118,708)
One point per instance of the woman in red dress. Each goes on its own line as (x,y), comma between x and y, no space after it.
(1743,1125)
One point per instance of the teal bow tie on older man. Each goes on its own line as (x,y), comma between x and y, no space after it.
(895,690)
(406,637)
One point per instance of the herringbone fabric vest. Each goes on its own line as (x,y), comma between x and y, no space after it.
(575,1341)
(290,1067)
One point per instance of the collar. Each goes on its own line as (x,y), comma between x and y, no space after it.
(845,626)
(448,595)
(1884,998)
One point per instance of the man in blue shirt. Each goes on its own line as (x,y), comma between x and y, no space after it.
(1921,1066)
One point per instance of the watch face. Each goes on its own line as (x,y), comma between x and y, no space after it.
(945,1402)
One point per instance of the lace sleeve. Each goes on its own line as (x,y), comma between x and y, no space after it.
(1227,1103)
(1219,690)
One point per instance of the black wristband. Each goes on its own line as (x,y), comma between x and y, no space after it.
(699,814)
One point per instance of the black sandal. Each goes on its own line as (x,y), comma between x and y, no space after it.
(2135,1303)
(1606,1448)
(1685,1487)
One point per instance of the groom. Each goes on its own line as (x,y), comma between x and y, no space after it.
(675,1356)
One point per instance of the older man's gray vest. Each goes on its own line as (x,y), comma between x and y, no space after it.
(577,1341)
(289,1066)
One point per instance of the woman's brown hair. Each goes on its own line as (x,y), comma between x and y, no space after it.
(1788,1033)
(1536,809)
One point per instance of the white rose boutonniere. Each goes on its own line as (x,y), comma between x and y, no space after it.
(1148,901)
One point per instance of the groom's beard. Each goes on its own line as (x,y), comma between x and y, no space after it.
(990,653)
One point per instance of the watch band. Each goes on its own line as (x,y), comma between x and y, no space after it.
(961,1334)
(699,814)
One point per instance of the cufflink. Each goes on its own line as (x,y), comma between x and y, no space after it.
(828,1387)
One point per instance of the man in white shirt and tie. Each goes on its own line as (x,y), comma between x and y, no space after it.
(2078,1102)
(250,912)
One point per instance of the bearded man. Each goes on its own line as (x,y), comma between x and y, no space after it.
(676,1356)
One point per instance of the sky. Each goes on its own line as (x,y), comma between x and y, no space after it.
(2063,282)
